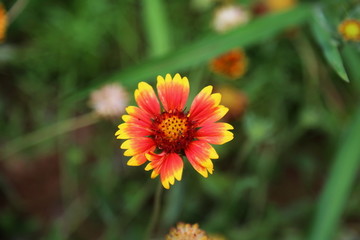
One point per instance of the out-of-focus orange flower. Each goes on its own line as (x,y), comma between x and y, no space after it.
(228,17)
(234,99)
(350,30)
(279,5)
(232,64)
(3,22)
(266,6)
(185,231)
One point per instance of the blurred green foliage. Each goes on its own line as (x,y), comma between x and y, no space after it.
(288,174)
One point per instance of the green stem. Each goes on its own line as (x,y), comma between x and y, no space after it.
(70,220)
(156,27)
(156,212)
(46,133)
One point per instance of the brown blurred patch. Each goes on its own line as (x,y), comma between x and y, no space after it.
(234,99)
(293,183)
(36,185)
(259,8)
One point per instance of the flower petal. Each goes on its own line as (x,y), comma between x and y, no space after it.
(137,146)
(173,92)
(137,160)
(217,113)
(138,116)
(215,133)
(146,99)
(168,165)
(132,130)
(200,154)
(205,107)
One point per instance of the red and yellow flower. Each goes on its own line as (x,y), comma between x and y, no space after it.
(350,29)
(162,134)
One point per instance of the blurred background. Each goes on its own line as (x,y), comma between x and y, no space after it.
(288,71)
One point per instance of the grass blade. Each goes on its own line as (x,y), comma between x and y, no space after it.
(338,186)
(323,35)
(204,49)
(156,27)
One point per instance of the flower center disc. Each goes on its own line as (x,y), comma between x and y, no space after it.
(173,128)
(173,131)
(352,30)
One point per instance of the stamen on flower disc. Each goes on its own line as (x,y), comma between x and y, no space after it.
(173,131)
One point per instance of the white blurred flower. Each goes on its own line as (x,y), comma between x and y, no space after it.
(228,17)
(109,101)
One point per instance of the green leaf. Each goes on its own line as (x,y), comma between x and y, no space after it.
(351,56)
(157,27)
(336,192)
(200,51)
(323,34)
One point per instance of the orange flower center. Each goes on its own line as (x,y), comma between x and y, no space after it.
(173,128)
(173,131)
